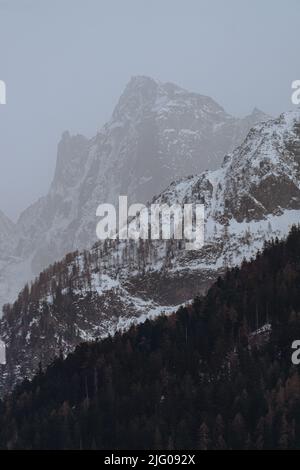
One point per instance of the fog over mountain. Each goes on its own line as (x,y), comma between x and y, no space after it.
(65,63)
(157,134)
(149,225)
(251,198)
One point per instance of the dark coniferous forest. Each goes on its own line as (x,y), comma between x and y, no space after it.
(216,375)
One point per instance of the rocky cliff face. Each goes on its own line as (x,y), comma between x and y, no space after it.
(157,134)
(251,198)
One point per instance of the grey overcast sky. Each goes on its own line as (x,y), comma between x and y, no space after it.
(65,63)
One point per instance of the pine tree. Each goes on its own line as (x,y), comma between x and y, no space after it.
(204,437)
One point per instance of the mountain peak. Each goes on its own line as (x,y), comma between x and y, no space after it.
(140,81)
(143,82)
(159,133)
(144,93)
(140,92)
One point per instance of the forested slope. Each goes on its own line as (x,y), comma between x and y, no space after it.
(215,375)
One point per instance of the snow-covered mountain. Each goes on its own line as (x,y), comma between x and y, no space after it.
(254,196)
(157,133)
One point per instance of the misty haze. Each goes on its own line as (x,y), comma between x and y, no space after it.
(145,343)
